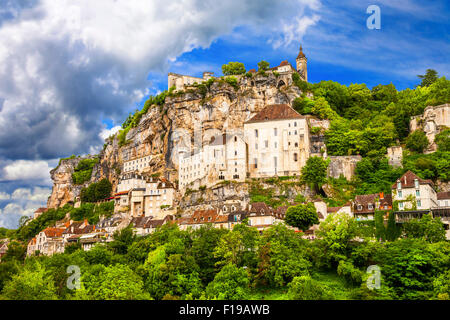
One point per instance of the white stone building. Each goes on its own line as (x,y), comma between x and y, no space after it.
(413,193)
(137,164)
(223,158)
(278,142)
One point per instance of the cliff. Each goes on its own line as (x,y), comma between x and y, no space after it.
(222,107)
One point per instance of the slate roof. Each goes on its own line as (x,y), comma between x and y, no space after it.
(275,112)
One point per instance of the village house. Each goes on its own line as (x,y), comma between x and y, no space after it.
(443,199)
(413,193)
(146,225)
(144,195)
(364,206)
(39,212)
(76,229)
(278,142)
(260,216)
(48,242)
(89,240)
(236,217)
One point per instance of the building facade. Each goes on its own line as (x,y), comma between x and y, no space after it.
(278,142)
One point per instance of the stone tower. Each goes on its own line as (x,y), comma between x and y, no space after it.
(301,65)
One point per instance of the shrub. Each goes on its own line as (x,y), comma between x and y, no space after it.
(306,288)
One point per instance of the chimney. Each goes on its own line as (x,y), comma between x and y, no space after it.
(381,195)
(85,222)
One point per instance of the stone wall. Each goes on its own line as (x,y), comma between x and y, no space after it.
(343,165)
(395,156)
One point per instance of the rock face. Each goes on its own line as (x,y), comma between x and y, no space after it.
(63,191)
(433,119)
(165,129)
(343,165)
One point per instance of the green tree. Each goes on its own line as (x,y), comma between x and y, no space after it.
(426,228)
(117,282)
(443,140)
(392,229)
(263,66)
(16,251)
(231,283)
(314,172)
(306,288)
(428,78)
(302,216)
(417,141)
(30,284)
(233,68)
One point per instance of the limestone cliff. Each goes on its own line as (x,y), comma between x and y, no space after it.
(222,107)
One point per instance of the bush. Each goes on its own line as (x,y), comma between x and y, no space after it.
(231,283)
(96,191)
(82,173)
(417,141)
(306,288)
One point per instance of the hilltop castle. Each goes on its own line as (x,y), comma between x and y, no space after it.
(180,82)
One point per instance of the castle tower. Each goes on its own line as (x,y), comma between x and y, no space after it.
(301,65)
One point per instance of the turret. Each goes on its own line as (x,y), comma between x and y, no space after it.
(301,65)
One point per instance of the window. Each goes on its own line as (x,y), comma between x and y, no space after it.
(399,185)
(370,206)
(419,203)
(295,124)
(359,207)
(256,146)
(256,163)
(296,144)
(275,162)
(235,153)
(400,194)
(235,139)
(417,193)
(400,205)
(295,157)
(275,132)
(256,133)
(295,132)
(416,183)
(275,145)
(266,143)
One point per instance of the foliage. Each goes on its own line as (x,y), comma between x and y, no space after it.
(433,166)
(82,173)
(417,141)
(428,78)
(302,216)
(442,140)
(306,288)
(314,172)
(233,68)
(30,284)
(231,283)
(263,65)
(426,228)
(117,282)
(96,191)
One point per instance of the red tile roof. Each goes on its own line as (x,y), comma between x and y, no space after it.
(443,195)
(53,232)
(407,180)
(275,112)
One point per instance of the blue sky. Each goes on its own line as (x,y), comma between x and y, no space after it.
(70,72)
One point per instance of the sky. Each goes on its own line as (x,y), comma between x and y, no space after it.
(71,71)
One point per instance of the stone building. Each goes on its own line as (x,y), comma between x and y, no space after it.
(364,206)
(138,164)
(414,193)
(144,195)
(278,142)
(179,81)
(223,158)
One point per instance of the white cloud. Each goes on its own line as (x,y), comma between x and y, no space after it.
(4,196)
(27,170)
(64,64)
(106,133)
(37,195)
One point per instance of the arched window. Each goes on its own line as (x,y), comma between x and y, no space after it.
(295,157)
